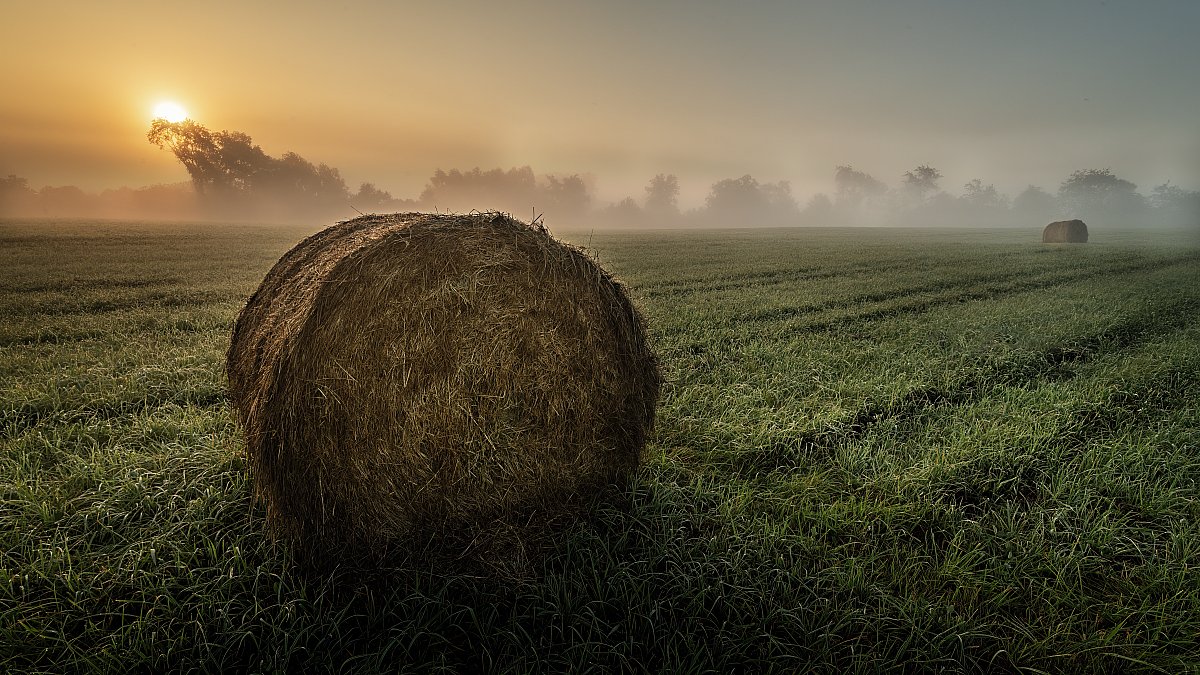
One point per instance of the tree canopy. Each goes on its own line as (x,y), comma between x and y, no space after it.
(662,195)
(516,190)
(1097,194)
(228,170)
(746,199)
(921,181)
(853,186)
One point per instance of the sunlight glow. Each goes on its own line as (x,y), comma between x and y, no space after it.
(170,111)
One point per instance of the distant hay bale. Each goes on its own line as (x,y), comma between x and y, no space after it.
(401,376)
(1065,232)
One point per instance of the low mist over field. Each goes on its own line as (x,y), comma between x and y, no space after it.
(932,113)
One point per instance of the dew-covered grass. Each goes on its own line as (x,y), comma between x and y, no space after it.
(877,450)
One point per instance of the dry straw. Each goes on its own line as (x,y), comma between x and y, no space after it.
(402,376)
(1065,232)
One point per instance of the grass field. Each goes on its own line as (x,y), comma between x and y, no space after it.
(957,451)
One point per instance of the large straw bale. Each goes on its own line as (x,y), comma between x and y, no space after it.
(1065,232)
(401,376)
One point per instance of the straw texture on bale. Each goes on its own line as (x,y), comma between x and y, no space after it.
(1065,232)
(399,376)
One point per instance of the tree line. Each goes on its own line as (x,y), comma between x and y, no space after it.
(1094,195)
(233,178)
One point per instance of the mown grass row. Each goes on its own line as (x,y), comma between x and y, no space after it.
(986,459)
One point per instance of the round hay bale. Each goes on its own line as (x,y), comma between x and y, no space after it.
(403,376)
(1065,232)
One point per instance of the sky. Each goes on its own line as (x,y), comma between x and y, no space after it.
(1015,92)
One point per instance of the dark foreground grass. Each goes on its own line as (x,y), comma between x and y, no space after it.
(902,450)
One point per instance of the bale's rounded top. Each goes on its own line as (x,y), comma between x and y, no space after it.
(1065,232)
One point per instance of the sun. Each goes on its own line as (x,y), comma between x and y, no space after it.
(170,111)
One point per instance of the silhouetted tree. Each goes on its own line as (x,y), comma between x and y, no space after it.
(67,200)
(920,182)
(744,200)
(176,201)
(16,197)
(662,196)
(370,198)
(780,201)
(514,191)
(565,197)
(738,196)
(292,178)
(1174,205)
(818,210)
(1034,206)
(853,187)
(980,196)
(172,201)
(229,170)
(624,212)
(218,162)
(1097,194)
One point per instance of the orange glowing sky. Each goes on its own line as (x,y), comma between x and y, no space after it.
(1013,92)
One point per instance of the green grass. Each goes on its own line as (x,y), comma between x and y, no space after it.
(957,451)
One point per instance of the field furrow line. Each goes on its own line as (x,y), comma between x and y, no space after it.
(78,285)
(952,294)
(768,279)
(23,417)
(100,307)
(52,337)
(1054,362)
